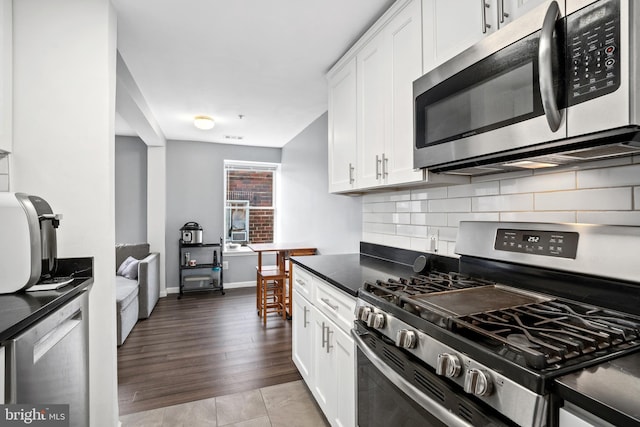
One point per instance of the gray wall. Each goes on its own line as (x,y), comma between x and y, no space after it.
(308,212)
(131,190)
(195,182)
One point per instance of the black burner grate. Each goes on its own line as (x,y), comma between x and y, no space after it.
(549,334)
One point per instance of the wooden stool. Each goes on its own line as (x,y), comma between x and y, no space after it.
(271,292)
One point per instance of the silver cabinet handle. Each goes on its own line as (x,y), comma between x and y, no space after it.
(484,5)
(329,346)
(351,169)
(378,162)
(305,310)
(323,335)
(545,66)
(385,164)
(501,13)
(326,301)
(301,282)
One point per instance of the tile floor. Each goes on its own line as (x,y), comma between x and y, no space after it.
(289,404)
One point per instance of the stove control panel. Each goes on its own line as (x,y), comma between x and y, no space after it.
(561,244)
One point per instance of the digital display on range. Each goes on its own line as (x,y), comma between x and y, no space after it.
(549,243)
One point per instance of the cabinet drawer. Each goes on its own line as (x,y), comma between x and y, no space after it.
(302,282)
(335,304)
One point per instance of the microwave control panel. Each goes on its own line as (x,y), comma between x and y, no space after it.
(593,51)
(560,244)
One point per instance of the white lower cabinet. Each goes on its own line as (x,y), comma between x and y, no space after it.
(324,351)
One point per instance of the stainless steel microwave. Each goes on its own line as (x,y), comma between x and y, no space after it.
(558,85)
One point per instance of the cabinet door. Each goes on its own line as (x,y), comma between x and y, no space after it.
(373,95)
(342,128)
(324,384)
(404,33)
(509,10)
(302,337)
(453,26)
(344,349)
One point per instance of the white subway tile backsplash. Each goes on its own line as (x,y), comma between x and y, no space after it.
(412,206)
(610,177)
(450,205)
(4,183)
(429,219)
(387,240)
(373,227)
(610,218)
(568,216)
(601,192)
(380,207)
(585,200)
(412,230)
(386,197)
(429,193)
(477,189)
(389,218)
(513,202)
(453,219)
(535,183)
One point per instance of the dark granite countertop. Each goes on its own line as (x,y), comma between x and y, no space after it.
(609,390)
(22,309)
(348,272)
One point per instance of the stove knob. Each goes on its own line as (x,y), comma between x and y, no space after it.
(478,382)
(376,320)
(448,365)
(406,338)
(363,313)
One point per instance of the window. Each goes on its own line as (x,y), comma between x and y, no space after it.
(250,196)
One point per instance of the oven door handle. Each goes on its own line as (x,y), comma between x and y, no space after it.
(409,389)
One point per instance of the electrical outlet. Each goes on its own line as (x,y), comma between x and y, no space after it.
(225,265)
(434,240)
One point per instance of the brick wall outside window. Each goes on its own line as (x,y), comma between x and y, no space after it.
(257,188)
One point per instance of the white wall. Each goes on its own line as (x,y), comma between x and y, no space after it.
(605,192)
(131,190)
(63,111)
(308,212)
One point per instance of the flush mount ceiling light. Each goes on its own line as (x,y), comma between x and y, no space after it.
(203,122)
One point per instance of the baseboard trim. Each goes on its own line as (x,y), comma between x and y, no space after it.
(234,285)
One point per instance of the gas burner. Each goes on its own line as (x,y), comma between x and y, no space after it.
(550,334)
(392,290)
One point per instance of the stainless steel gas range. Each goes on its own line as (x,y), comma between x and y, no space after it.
(532,302)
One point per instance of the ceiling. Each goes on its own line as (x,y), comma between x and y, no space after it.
(257,67)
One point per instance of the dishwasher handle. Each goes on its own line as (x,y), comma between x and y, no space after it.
(57,334)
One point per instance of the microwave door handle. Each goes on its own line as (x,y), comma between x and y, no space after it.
(545,68)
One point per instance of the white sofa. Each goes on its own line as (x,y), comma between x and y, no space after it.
(136,297)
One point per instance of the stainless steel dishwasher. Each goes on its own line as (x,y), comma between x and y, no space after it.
(48,363)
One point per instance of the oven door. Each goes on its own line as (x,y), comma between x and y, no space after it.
(394,388)
(504,93)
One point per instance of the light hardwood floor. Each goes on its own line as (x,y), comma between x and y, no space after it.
(202,346)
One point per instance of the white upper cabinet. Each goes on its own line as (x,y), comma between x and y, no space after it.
(387,61)
(405,43)
(342,127)
(373,103)
(453,26)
